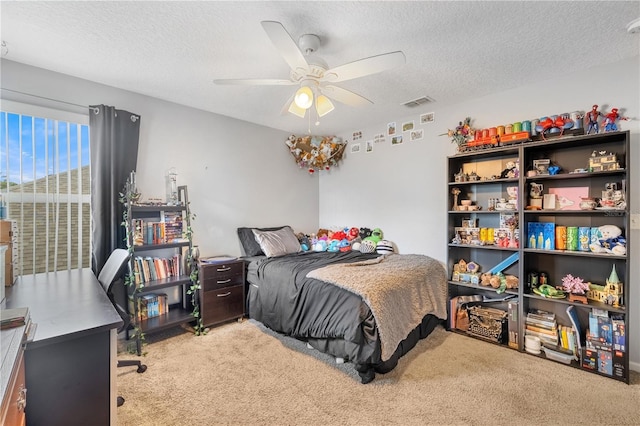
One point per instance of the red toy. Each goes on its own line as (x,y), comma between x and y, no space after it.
(610,120)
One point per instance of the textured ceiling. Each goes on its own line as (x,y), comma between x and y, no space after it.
(454,50)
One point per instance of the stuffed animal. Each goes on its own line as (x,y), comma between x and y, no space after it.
(364,233)
(322,233)
(334,246)
(509,171)
(305,243)
(320,245)
(338,235)
(384,247)
(353,234)
(344,245)
(608,239)
(367,246)
(376,236)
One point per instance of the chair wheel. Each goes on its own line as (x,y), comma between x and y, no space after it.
(142,368)
(120,401)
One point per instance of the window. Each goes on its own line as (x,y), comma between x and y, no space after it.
(45,181)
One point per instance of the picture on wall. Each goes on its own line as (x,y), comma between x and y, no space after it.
(369,146)
(427,118)
(357,135)
(355,148)
(407,126)
(396,140)
(391,128)
(416,135)
(379,138)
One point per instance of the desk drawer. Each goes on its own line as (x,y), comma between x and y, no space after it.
(222,305)
(222,275)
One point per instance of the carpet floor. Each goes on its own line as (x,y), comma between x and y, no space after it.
(241,373)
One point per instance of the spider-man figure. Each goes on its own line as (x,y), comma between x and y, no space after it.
(610,120)
(592,119)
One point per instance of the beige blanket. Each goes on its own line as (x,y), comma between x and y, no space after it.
(400,289)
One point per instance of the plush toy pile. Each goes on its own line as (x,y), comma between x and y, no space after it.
(316,152)
(364,239)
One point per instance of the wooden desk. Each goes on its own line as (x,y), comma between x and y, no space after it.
(70,364)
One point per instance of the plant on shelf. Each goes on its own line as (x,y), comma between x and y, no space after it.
(128,197)
(192,262)
(576,288)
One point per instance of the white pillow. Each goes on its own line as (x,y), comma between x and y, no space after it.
(277,243)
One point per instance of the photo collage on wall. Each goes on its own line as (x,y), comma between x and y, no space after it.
(408,132)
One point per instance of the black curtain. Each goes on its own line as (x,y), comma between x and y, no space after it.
(114,154)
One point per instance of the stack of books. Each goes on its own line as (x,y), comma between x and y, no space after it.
(16,317)
(543,325)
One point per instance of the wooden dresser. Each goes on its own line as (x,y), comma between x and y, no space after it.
(221,291)
(13,382)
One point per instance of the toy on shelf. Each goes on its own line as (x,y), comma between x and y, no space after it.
(592,120)
(610,120)
(576,287)
(553,124)
(612,197)
(535,196)
(610,293)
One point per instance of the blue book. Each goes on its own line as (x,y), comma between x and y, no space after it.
(575,323)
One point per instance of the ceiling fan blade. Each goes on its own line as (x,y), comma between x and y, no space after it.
(345,96)
(285,107)
(255,82)
(285,44)
(366,66)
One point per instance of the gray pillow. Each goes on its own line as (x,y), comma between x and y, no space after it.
(277,243)
(248,240)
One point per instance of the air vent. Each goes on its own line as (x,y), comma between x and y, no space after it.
(417,102)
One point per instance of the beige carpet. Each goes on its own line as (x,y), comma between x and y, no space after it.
(241,374)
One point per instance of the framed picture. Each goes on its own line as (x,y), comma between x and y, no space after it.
(427,118)
(408,126)
(379,138)
(391,128)
(396,140)
(355,148)
(569,198)
(369,146)
(416,135)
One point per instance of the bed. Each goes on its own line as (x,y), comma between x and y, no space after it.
(365,308)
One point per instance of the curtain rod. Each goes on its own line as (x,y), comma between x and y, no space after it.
(48,99)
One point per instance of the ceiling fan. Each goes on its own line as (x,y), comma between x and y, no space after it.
(314,76)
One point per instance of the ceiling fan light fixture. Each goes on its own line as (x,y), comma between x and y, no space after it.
(304,97)
(296,110)
(323,105)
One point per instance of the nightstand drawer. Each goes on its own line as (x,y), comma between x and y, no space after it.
(222,305)
(221,275)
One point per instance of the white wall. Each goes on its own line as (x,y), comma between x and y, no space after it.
(237,173)
(402,189)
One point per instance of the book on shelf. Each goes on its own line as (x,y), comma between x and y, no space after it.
(14,317)
(152,305)
(543,325)
(577,331)
(512,318)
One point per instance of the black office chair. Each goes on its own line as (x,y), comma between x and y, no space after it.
(112,270)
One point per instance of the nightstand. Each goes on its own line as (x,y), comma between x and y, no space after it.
(221,291)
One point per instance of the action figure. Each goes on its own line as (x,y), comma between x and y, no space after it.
(592,119)
(610,120)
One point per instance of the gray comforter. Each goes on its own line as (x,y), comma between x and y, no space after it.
(330,318)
